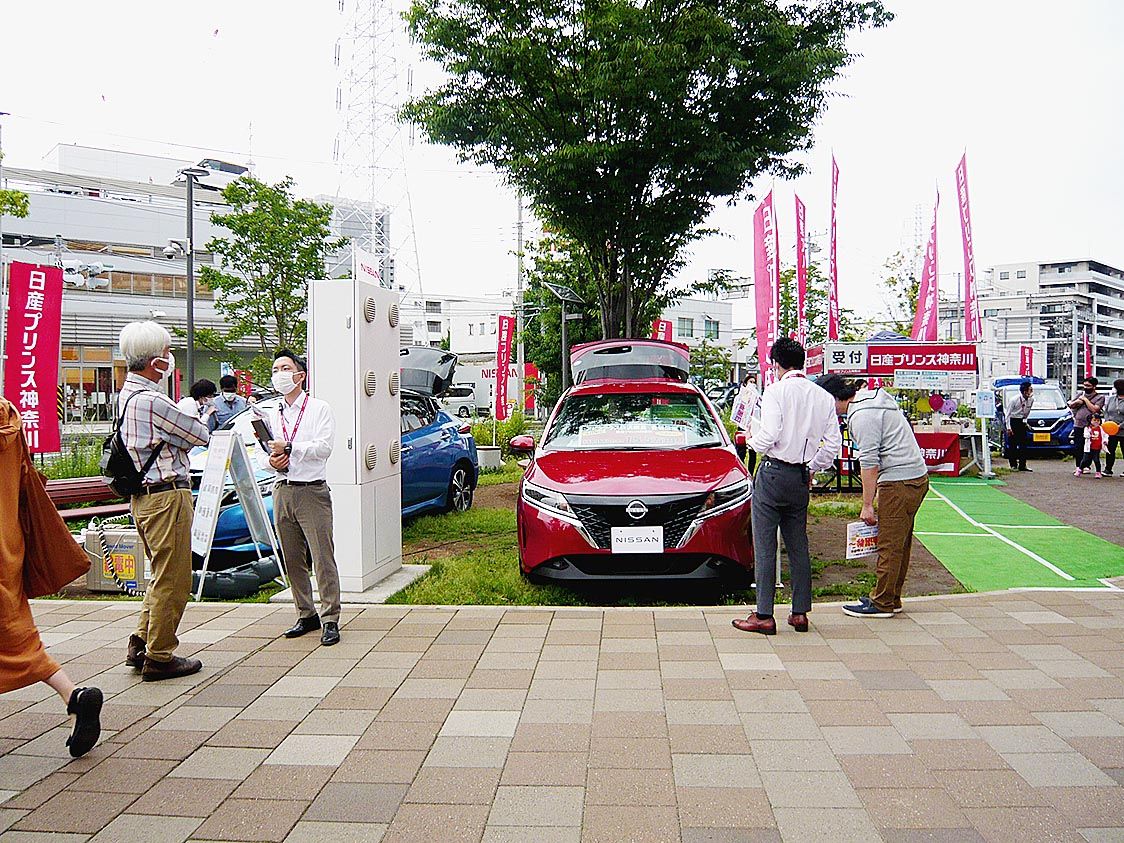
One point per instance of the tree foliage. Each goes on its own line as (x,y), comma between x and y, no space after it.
(901,286)
(277,244)
(710,363)
(14,203)
(624,121)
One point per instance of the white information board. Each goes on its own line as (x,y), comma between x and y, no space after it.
(985,404)
(862,540)
(845,357)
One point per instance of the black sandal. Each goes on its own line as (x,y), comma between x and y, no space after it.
(85,704)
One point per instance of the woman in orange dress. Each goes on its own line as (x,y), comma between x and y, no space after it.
(23,659)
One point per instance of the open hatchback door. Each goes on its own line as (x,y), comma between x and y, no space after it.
(427,371)
(630,360)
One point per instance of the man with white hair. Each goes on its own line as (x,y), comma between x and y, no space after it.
(159,436)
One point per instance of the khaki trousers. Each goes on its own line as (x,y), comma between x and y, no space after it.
(164,523)
(898,502)
(303,515)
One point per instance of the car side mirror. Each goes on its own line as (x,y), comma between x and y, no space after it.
(522,444)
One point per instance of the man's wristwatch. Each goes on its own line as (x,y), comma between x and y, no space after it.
(288,448)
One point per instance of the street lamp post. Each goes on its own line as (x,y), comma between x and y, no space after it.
(564,295)
(190,174)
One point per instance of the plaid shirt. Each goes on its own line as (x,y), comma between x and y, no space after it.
(155,419)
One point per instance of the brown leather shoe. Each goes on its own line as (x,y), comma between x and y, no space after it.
(135,655)
(767,626)
(154,671)
(798,622)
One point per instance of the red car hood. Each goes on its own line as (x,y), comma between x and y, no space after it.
(636,472)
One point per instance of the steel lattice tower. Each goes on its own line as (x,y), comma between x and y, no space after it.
(368,149)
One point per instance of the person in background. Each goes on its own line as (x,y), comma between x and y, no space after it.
(23,658)
(1094,443)
(797,436)
(152,423)
(893,471)
(1017,412)
(746,404)
(229,403)
(303,430)
(1083,406)
(200,400)
(1114,412)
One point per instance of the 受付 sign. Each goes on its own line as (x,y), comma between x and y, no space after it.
(845,357)
(31,351)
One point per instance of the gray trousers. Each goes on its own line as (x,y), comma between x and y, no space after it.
(303,515)
(780,499)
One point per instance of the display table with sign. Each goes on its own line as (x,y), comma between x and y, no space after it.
(943,448)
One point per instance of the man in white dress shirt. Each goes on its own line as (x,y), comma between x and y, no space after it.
(303,429)
(797,436)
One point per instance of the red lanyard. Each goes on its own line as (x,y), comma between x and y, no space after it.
(297,426)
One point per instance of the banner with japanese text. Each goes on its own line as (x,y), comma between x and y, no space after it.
(833,265)
(801,275)
(766,271)
(883,359)
(31,351)
(928,295)
(941,452)
(661,329)
(1026,361)
(503,362)
(1088,354)
(973,328)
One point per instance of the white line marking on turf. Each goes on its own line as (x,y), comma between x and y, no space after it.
(966,535)
(1031,526)
(1004,539)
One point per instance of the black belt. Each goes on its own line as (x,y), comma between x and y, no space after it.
(302,483)
(170,486)
(796,465)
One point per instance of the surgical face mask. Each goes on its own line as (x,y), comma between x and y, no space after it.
(170,362)
(284,382)
(1089,389)
(230,396)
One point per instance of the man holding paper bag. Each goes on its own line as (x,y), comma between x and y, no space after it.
(893,468)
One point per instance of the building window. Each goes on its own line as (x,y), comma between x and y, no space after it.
(481,329)
(685,326)
(1021,273)
(433,327)
(1003,276)
(471,330)
(710,329)
(433,307)
(494,325)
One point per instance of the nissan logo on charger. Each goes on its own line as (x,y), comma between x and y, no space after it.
(636,510)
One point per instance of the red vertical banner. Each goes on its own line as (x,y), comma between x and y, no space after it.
(801,275)
(661,329)
(973,328)
(833,268)
(245,382)
(928,294)
(31,349)
(1026,361)
(1088,355)
(503,362)
(530,384)
(766,271)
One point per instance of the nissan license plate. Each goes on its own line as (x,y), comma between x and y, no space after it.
(1042,437)
(637,539)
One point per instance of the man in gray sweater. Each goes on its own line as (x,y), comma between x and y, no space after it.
(893,468)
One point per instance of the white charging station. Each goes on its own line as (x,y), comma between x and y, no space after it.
(354,366)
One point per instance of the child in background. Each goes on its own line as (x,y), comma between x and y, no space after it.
(1094,443)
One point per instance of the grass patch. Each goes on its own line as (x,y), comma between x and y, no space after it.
(509,472)
(80,458)
(836,506)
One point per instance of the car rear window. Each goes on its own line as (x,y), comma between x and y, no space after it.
(633,421)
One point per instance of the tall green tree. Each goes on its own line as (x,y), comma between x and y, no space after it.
(276,245)
(624,121)
(14,203)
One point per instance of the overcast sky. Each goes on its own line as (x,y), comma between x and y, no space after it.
(1031,89)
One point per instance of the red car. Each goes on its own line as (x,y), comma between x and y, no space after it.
(635,477)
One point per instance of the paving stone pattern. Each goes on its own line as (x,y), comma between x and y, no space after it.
(976,717)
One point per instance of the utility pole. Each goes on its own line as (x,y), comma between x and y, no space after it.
(3,272)
(520,364)
(1073,353)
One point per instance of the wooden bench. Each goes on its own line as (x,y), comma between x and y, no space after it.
(84,490)
(81,513)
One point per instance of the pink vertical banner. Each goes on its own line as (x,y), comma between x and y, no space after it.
(504,333)
(661,329)
(833,280)
(1026,361)
(928,294)
(973,328)
(801,275)
(31,352)
(1088,355)
(766,270)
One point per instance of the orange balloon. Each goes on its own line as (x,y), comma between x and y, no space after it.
(1111,428)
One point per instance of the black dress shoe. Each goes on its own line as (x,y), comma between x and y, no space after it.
(331,634)
(134,657)
(303,626)
(85,704)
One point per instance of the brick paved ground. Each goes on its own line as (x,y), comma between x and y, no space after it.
(984,717)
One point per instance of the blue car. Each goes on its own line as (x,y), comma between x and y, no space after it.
(1050,424)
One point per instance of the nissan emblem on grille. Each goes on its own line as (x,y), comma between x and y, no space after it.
(636,510)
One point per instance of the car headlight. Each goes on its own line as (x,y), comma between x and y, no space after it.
(726,498)
(547,500)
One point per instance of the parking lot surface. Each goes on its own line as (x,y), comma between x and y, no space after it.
(975,717)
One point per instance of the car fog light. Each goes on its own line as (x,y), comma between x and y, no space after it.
(558,564)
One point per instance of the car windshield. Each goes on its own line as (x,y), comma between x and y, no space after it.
(637,421)
(1045,397)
